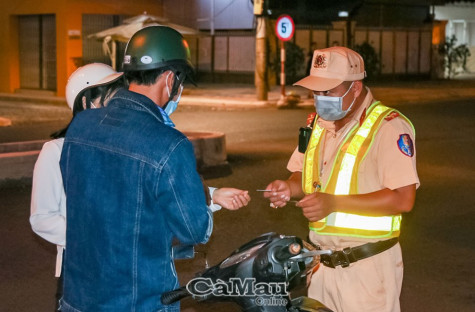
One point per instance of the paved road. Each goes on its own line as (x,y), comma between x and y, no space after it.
(437,236)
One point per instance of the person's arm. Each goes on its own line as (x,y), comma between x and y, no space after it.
(380,203)
(180,191)
(47,196)
(229,198)
(397,173)
(282,190)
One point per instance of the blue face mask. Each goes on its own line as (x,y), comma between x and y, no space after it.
(172,105)
(166,119)
(330,107)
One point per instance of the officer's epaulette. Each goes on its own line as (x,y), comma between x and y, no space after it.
(311,119)
(391,116)
(363,117)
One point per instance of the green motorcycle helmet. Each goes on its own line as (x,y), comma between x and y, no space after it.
(155,47)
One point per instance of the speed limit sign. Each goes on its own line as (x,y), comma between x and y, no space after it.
(285,27)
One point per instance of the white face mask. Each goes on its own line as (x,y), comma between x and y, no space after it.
(172,105)
(330,107)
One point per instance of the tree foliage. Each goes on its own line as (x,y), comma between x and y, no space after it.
(371,59)
(294,62)
(454,57)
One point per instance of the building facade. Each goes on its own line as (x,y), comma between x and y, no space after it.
(460,18)
(43,42)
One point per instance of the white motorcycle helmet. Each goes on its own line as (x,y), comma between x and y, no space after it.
(88,76)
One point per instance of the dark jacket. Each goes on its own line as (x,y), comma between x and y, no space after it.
(131,186)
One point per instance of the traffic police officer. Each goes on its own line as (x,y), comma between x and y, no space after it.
(356,174)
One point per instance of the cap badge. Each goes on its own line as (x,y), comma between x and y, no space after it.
(320,61)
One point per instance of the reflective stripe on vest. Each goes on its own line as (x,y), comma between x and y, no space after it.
(345,180)
(312,163)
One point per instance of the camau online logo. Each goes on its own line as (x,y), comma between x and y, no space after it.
(235,287)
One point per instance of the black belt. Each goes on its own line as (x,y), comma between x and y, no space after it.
(352,254)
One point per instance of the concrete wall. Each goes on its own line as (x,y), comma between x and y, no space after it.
(461,11)
(68,15)
(228,14)
(232,53)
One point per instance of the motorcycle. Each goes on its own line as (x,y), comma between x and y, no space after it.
(257,277)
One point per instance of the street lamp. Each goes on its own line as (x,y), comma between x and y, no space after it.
(345,15)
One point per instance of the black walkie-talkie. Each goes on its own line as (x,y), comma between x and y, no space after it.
(304,137)
(306,132)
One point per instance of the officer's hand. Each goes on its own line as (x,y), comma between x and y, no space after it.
(279,195)
(231,198)
(317,206)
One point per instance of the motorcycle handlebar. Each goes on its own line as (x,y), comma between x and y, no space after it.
(172,296)
(286,252)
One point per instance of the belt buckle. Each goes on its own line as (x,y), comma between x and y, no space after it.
(342,257)
(345,257)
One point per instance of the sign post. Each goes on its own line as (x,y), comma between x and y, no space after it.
(284,29)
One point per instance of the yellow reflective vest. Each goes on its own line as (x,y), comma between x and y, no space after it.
(343,179)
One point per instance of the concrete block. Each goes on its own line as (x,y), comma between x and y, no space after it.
(210,153)
(17,165)
(17,159)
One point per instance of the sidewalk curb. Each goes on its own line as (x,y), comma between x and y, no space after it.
(234,103)
(56,100)
(186,100)
(222,102)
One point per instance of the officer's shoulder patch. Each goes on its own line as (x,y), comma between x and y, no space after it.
(405,145)
(391,116)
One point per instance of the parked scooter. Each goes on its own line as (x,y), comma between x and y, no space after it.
(257,276)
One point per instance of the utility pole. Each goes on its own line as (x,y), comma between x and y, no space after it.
(260,76)
(211,33)
(261,59)
(211,27)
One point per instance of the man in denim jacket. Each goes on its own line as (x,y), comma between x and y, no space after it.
(132,186)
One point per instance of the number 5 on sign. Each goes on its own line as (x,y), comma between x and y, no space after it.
(284,28)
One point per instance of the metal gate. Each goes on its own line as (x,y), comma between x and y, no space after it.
(92,48)
(37,40)
(401,52)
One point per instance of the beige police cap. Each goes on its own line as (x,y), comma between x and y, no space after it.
(332,66)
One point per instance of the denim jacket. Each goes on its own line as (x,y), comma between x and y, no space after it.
(132,187)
